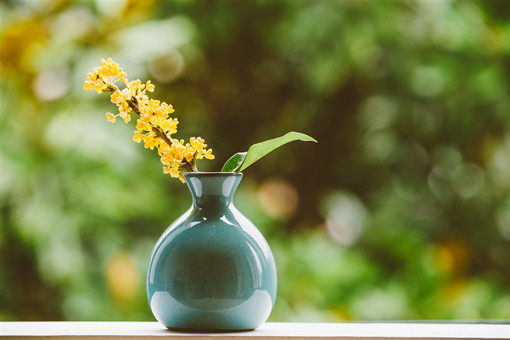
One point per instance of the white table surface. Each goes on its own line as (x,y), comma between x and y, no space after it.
(274,331)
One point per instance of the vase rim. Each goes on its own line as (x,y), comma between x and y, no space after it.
(212,174)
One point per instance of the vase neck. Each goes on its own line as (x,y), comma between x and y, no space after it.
(212,189)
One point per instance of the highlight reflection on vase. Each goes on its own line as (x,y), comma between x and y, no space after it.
(212,269)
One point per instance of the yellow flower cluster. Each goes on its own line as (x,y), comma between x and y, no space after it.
(153,126)
(103,78)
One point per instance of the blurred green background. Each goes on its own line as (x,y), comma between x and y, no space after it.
(402,211)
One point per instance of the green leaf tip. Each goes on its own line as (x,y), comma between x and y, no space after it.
(242,160)
(234,163)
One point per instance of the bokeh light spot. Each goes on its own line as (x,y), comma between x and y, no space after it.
(278,198)
(345,215)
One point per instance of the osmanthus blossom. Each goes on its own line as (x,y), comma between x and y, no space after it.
(154,126)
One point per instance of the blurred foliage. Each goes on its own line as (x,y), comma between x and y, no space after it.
(402,211)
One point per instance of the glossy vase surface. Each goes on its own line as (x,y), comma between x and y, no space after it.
(212,269)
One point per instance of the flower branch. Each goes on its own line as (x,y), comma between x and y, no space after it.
(154,126)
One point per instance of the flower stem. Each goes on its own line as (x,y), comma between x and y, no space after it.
(161,134)
(189,166)
(193,167)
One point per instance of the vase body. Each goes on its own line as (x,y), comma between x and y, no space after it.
(212,269)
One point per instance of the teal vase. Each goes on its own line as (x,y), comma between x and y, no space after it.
(212,270)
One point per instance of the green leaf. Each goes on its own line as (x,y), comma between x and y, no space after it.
(234,163)
(242,160)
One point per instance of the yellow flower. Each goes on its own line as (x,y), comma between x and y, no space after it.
(154,126)
(103,78)
(151,141)
(208,154)
(149,86)
(117,97)
(110,117)
(138,137)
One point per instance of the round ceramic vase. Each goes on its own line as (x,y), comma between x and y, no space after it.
(212,269)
